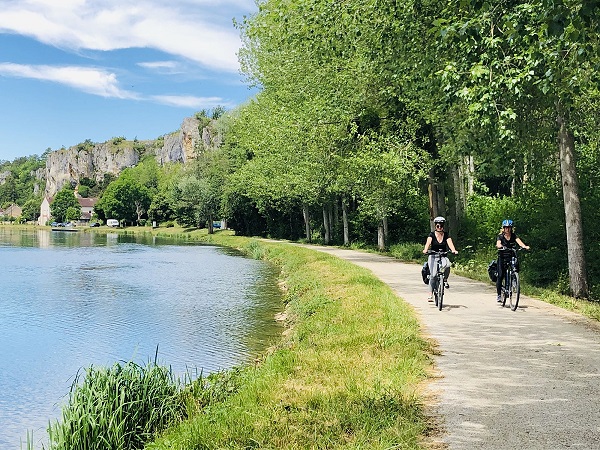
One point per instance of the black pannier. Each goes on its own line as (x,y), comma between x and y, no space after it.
(493,270)
(425,273)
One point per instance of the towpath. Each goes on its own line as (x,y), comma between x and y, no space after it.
(526,380)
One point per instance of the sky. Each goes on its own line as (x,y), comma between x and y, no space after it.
(72,70)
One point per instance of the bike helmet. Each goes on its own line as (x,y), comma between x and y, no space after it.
(507,223)
(439,219)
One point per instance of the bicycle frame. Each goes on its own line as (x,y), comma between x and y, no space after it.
(511,287)
(438,285)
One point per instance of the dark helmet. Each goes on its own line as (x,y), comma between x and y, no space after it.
(507,223)
(439,219)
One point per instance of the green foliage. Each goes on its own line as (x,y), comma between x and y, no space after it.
(87,145)
(120,407)
(31,209)
(124,199)
(62,202)
(73,213)
(84,191)
(19,186)
(117,140)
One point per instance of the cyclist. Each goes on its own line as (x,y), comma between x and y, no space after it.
(438,240)
(506,239)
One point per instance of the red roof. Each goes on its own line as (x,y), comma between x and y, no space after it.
(87,202)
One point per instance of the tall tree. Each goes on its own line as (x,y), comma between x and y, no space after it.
(502,57)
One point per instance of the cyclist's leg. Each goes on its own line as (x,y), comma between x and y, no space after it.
(501,273)
(432,272)
(446,275)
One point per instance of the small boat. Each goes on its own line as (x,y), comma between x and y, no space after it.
(64,229)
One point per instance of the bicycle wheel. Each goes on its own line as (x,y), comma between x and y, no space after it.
(515,291)
(440,289)
(506,288)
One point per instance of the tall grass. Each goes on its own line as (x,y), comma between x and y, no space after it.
(118,407)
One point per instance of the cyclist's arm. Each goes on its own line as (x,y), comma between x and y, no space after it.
(521,244)
(499,243)
(451,245)
(427,244)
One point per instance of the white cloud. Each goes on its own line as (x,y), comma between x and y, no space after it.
(190,101)
(199,30)
(164,67)
(92,81)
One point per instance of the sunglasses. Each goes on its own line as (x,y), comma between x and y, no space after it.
(439,225)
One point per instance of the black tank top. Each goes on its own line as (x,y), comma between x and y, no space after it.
(439,246)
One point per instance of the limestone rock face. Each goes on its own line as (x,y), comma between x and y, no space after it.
(72,164)
(94,160)
(181,145)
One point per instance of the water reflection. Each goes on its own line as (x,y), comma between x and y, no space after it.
(73,299)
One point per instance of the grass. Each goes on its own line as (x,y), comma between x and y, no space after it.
(347,374)
(118,407)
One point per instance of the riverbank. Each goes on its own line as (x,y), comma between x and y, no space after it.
(349,370)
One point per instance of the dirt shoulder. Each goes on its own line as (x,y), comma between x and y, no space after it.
(528,379)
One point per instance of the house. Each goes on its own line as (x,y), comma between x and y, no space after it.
(45,211)
(12,211)
(87,208)
(86,205)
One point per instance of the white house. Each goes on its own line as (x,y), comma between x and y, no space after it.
(86,205)
(45,211)
(87,208)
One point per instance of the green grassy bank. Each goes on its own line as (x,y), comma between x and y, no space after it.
(346,374)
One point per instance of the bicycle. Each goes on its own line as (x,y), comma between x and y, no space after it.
(511,286)
(438,280)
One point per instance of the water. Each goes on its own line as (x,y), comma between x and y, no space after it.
(72,299)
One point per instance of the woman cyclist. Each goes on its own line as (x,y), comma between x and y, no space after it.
(438,240)
(506,239)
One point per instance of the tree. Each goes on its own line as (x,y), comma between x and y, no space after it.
(64,200)
(124,199)
(188,204)
(503,57)
(31,209)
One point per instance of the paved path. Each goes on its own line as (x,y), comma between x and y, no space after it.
(528,379)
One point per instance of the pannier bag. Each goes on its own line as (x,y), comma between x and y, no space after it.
(425,273)
(493,270)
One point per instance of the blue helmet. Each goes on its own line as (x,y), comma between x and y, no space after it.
(507,223)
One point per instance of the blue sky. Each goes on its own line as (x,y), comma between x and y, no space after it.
(72,70)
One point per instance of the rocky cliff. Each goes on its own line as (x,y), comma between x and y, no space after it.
(94,160)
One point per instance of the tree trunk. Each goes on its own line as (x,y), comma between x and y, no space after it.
(211,229)
(331,222)
(306,215)
(437,202)
(326,234)
(345,221)
(380,237)
(456,205)
(471,175)
(575,250)
(386,230)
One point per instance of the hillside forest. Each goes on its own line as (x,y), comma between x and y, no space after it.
(374,116)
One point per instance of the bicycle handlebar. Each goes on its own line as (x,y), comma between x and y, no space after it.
(515,250)
(439,252)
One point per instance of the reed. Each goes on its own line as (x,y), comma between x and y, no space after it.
(118,407)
